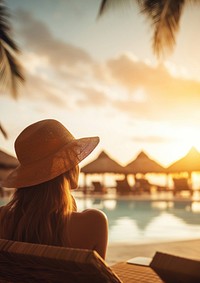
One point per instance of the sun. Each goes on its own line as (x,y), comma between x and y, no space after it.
(179,140)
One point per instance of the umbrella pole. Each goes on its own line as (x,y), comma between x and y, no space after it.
(85,184)
(103,180)
(190,179)
(167,180)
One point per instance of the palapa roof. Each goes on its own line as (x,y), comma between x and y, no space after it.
(189,163)
(7,164)
(143,164)
(7,160)
(103,164)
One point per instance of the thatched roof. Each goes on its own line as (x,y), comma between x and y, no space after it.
(103,164)
(7,164)
(189,163)
(7,161)
(143,164)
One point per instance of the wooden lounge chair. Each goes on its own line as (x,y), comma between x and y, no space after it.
(180,185)
(98,187)
(26,262)
(33,263)
(142,185)
(162,268)
(123,187)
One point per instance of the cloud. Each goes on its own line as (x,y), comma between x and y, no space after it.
(92,97)
(41,89)
(37,37)
(152,139)
(68,76)
(55,68)
(164,97)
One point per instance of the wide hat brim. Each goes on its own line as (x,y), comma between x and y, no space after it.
(67,157)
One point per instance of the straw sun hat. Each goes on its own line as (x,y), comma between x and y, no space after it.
(45,150)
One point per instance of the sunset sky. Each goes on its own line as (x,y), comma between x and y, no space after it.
(101,77)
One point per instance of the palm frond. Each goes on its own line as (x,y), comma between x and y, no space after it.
(102,7)
(11,73)
(164,15)
(107,5)
(3,132)
(165,18)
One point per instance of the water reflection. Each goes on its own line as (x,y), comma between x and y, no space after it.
(195,207)
(146,221)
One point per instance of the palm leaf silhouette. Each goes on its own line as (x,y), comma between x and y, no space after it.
(164,16)
(165,19)
(10,69)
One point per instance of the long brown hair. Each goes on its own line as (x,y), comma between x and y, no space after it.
(40,213)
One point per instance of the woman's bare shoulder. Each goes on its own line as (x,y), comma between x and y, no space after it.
(90,214)
(89,229)
(91,219)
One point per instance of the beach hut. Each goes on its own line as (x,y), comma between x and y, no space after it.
(189,163)
(7,164)
(143,165)
(102,165)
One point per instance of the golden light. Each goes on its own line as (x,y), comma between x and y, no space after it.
(181,140)
(195,207)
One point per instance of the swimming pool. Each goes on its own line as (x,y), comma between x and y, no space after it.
(147,221)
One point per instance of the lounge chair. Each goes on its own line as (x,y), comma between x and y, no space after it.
(98,187)
(142,185)
(26,262)
(180,185)
(123,187)
(33,263)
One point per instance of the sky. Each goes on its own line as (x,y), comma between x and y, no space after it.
(100,77)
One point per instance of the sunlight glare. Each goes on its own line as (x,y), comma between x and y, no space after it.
(110,204)
(139,95)
(177,71)
(183,138)
(162,205)
(195,207)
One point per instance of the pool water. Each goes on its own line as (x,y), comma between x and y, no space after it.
(146,221)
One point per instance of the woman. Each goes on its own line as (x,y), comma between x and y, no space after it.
(42,209)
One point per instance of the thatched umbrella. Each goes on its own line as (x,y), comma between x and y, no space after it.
(189,163)
(103,164)
(7,161)
(143,164)
(7,164)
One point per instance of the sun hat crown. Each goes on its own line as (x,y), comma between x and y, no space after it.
(40,140)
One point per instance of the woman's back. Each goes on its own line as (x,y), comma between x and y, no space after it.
(85,230)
